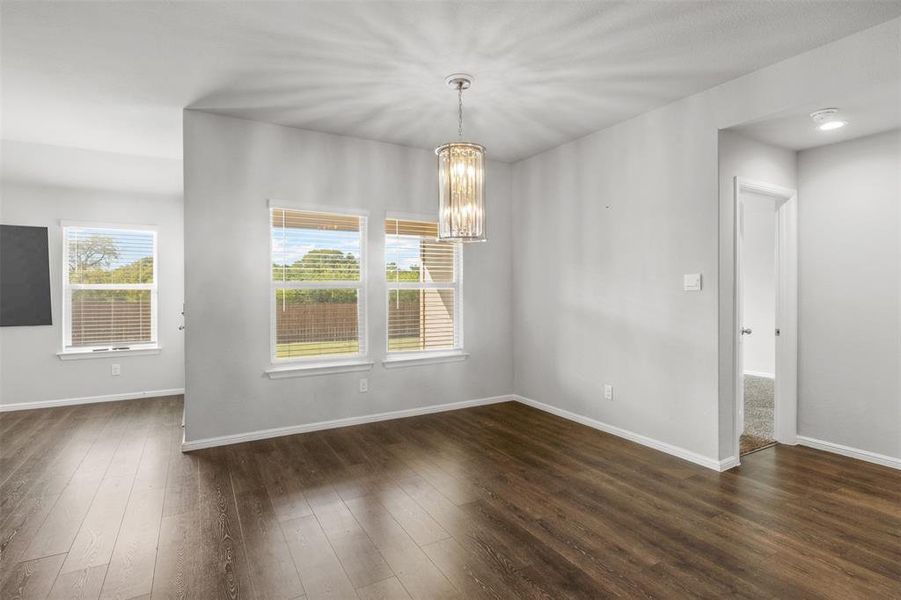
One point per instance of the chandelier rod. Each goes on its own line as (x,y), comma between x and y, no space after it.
(460,110)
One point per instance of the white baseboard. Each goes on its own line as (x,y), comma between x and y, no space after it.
(89,399)
(729,463)
(704,461)
(263,434)
(761,374)
(188,446)
(682,453)
(873,457)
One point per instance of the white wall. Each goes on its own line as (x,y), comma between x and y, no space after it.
(849,297)
(758,284)
(604,228)
(232,168)
(30,370)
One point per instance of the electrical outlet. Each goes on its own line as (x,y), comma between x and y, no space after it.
(115,370)
(364,385)
(608,391)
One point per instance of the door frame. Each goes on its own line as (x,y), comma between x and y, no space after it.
(786,383)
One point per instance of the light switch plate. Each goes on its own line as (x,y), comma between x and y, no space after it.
(691,282)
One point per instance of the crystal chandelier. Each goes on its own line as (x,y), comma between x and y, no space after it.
(461,180)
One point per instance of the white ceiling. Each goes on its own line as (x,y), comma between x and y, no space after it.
(866,111)
(58,166)
(115,76)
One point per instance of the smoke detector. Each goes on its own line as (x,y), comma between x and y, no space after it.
(827,119)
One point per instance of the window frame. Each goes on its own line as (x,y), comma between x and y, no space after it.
(397,356)
(361,286)
(67,289)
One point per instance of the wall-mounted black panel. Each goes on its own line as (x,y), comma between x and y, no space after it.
(24,276)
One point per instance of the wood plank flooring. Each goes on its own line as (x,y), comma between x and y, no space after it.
(495,502)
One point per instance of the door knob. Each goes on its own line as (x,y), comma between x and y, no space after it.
(745,331)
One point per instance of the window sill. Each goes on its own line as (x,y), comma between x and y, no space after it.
(319,368)
(423,358)
(85,354)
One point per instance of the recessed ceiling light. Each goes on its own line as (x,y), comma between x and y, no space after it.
(832,125)
(827,119)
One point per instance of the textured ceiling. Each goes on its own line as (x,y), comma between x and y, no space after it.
(115,76)
(866,111)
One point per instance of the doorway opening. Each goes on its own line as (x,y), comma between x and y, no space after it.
(758,287)
(766,315)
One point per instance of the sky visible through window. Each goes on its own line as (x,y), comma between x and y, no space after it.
(125,247)
(290,245)
(98,255)
(404,251)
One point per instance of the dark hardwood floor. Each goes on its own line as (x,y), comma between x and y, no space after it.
(501,501)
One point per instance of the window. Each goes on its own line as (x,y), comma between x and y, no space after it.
(318,296)
(109,288)
(423,274)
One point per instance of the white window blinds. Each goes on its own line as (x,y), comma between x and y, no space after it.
(424,284)
(109,288)
(318,271)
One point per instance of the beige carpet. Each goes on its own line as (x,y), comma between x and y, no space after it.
(759,414)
